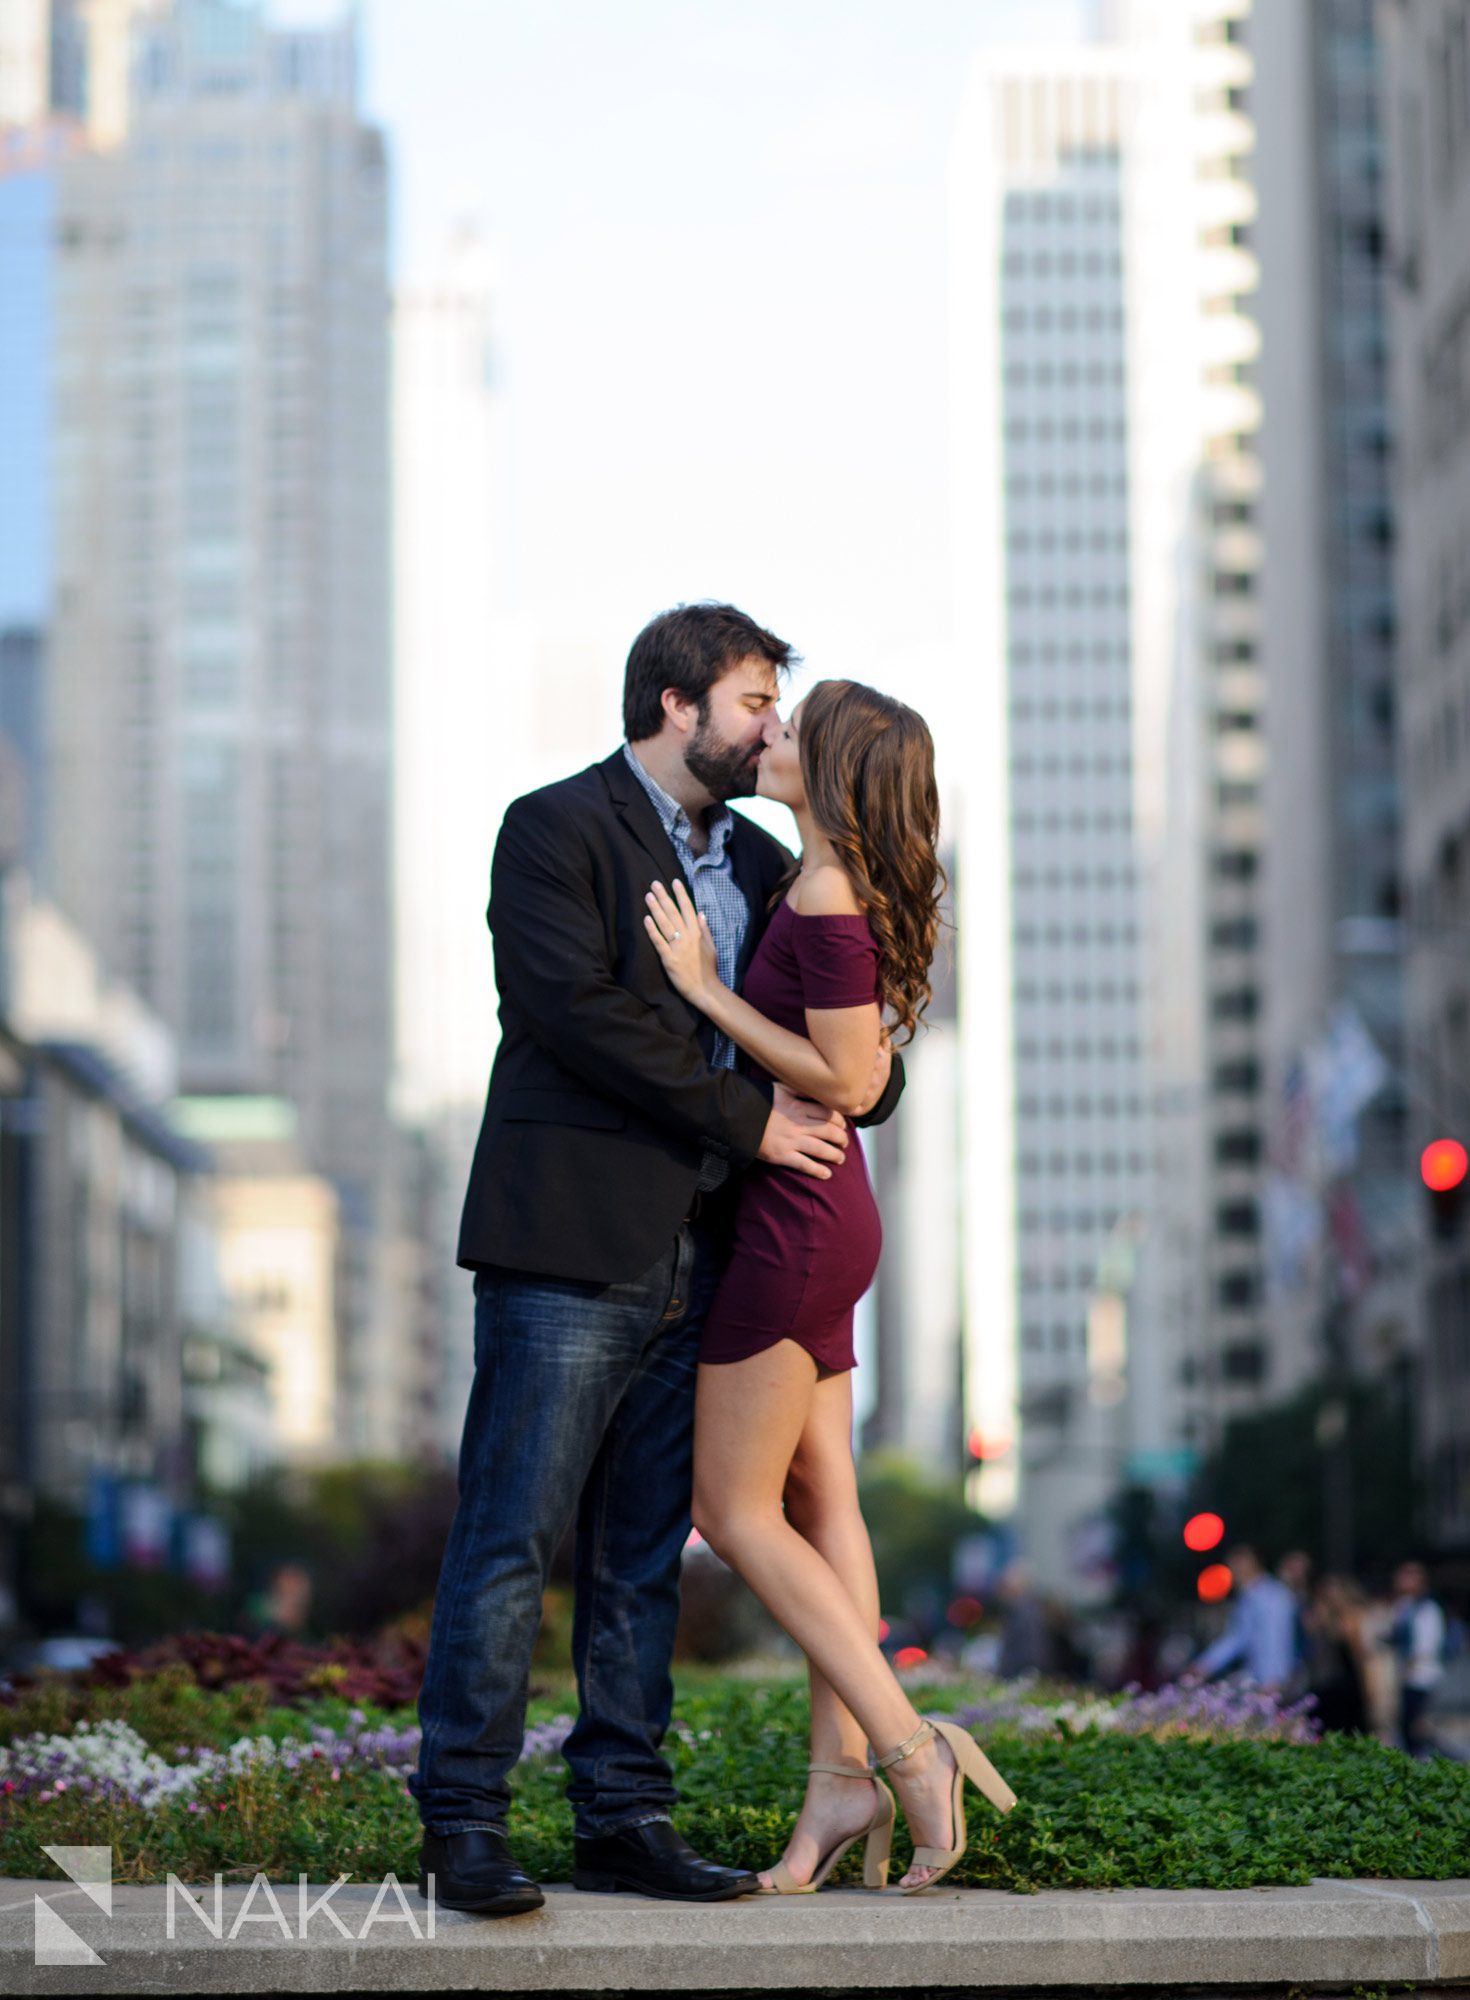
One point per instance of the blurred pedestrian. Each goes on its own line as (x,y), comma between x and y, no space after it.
(1295,1571)
(1025,1636)
(1069,1660)
(1417,1636)
(1261,1637)
(284,1605)
(1141,1667)
(1337,1657)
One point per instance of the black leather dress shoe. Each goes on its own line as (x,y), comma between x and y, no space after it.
(653,1860)
(476,1871)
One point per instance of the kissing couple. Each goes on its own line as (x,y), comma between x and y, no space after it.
(669,1229)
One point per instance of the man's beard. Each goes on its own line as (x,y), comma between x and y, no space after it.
(726,770)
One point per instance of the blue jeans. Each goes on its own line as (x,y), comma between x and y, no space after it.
(582,1401)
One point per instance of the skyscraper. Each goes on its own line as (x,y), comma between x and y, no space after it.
(918,1406)
(1048,868)
(1199,697)
(220,681)
(461,747)
(25,62)
(71,57)
(453,700)
(219,686)
(30,165)
(1333,984)
(1426,96)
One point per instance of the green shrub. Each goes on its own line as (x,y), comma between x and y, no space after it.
(166,1708)
(1097,1810)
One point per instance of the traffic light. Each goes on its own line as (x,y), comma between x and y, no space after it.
(1444,1168)
(1202,1532)
(1213,1582)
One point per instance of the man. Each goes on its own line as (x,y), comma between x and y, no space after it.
(1261,1637)
(615,1130)
(1417,1636)
(1295,1571)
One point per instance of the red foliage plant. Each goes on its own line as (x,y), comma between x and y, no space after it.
(385,1670)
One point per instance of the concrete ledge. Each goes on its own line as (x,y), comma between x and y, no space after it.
(1329,1935)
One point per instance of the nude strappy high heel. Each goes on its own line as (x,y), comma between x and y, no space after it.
(878,1833)
(970,1762)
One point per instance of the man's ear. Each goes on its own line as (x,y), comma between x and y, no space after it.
(680,710)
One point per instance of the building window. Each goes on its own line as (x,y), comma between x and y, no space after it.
(1237,1289)
(1237,1218)
(1243,1361)
(1238,1148)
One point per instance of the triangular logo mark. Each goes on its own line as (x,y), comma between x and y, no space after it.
(90,1868)
(57,1943)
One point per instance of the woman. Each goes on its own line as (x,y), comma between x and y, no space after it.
(775,1490)
(1338,1649)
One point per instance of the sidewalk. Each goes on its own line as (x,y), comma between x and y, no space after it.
(1332,1935)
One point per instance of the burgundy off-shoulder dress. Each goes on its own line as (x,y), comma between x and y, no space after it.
(805,1250)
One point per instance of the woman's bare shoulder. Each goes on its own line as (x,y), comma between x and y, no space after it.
(825,891)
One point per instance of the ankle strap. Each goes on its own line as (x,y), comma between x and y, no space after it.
(908,1746)
(843,1770)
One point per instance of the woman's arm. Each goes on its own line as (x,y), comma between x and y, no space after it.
(834,1064)
(553,968)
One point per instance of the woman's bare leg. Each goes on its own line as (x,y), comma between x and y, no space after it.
(822,1505)
(750,1417)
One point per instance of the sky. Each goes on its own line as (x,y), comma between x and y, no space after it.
(720,240)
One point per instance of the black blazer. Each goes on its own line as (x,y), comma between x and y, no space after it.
(602,1101)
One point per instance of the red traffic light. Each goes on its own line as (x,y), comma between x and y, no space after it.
(1443,1165)
(1213,1583)
(1203,1531)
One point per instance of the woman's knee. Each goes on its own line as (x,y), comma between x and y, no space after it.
(821,1494)
(729,1525)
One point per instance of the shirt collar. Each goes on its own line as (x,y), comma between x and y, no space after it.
(674,819)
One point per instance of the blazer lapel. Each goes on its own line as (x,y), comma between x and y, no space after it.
(745,860)
(635,809)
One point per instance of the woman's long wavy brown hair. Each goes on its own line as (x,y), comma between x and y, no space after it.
(867,763)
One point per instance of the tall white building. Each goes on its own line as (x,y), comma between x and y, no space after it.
(25,62)
(1427,99)
(1197,475)
(459,750)
(487,705)
(1108,536)
(917,1394)
(455,717)
(1058,1128)
(72,57)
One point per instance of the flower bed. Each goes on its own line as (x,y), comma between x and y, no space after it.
(1210,1788)
(1218,1712)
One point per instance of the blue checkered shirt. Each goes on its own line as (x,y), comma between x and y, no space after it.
(717,894)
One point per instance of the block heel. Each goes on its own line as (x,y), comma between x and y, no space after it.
(877,1838)
(970,1762)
